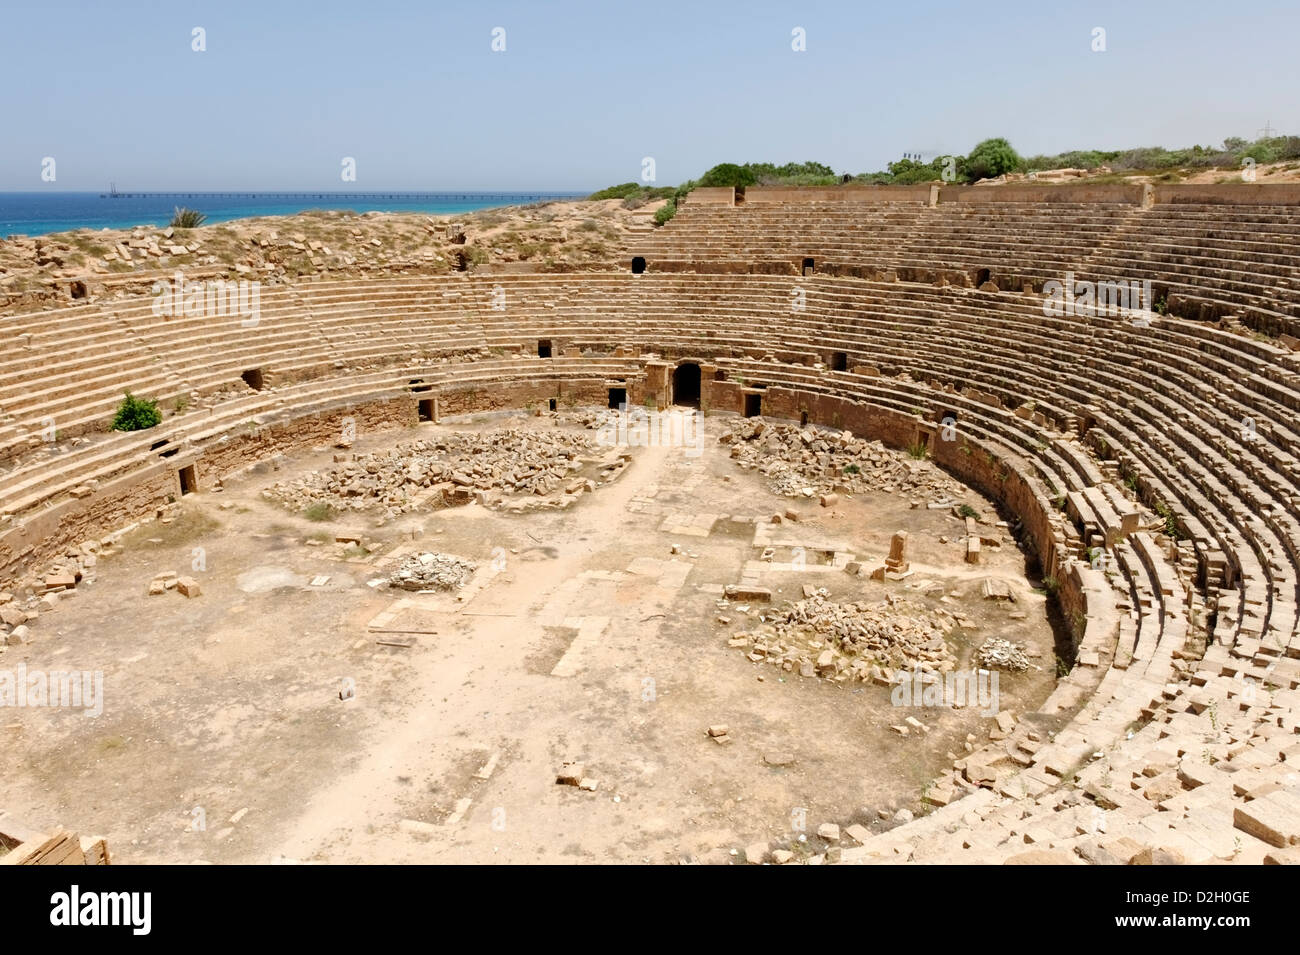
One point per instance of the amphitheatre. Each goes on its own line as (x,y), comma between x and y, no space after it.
(553,536)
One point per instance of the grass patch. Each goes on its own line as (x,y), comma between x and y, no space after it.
(320,511)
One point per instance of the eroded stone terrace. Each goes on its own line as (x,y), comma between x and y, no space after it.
(1149,466)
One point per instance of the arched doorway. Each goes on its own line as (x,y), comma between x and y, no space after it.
(686,385)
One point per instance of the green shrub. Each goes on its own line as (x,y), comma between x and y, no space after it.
(634,191)
(1171,520)
(967,511)
(136,414)
(320,511)
(993,157)
(624,190)
(183,218)
(666,212)
(728,174)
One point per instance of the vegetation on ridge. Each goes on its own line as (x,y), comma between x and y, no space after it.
(987,160)
(183,218)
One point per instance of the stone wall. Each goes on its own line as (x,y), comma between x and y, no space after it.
(712,196)
(1131,195)
(1245,193)
(35,539)
(919,193)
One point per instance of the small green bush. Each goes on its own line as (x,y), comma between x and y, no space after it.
(320,511)
(136,414)
(635,191)
(666,212)
(967,511)
(728,174)
(183,218)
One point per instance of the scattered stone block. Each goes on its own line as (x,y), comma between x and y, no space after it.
(1272,819)
(570,774)
(858,833)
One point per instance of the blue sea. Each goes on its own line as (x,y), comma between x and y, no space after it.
(36,213)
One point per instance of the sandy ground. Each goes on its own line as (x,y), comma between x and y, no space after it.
(582,637)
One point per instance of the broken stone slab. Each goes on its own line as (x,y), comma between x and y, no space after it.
(829,831)
(748,592)
(416,827)
(188,587)
(994,588)
(1274,819)
(858,833)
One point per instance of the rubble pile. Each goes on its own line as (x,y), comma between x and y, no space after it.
(509,461)
(43,592)
(432,572)
(593,419)
(803,461)
(843,641)
(999,654)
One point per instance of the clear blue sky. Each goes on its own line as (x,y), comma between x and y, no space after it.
(584,90)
